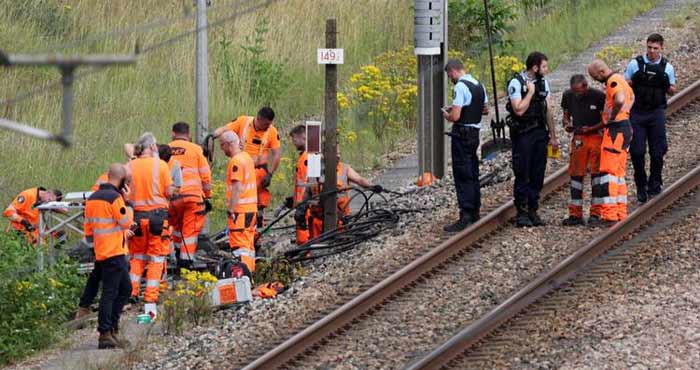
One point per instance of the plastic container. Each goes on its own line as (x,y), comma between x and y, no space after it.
(143,319)
(229,291)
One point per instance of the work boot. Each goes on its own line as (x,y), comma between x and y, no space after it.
(534,218)
(595,221)
(123,342)
(107,341)
(572,221)
(464,220)
(642,197)
(522,219)
(82,312)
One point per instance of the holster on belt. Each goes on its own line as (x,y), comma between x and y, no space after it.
(156,220)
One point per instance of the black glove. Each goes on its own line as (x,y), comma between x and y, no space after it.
(27,225)
(289,202)
(376,188)
(300,218)
(207,205)
(266,180)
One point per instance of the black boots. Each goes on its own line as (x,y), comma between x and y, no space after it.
(534,218)
(465,219)
(527,217)
(522,219)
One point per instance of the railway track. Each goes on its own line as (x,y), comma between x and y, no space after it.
(299,350)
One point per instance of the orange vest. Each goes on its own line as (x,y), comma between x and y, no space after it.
(150,181)
(241,169)
(100,180)
(301,179)
(196,174)
(616,82)
(106,219)
(255,143)
(22,208)
(343,197)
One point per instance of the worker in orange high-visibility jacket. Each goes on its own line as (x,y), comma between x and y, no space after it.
(345,175)
(22,212)
(152,186)
(582,116)
(107,226)
(188,208)
(298,135)
(259,139)
(241,200)
(617,135)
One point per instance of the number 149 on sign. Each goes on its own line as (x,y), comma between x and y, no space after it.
(330,56)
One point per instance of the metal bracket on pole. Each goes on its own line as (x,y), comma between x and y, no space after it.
(67,66)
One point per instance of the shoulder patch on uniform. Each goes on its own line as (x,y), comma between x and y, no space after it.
(511,89)
(122,210)
(235,168)
(613,84)
(20,199)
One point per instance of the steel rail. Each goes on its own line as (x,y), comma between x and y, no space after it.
(359,305)
(568,268)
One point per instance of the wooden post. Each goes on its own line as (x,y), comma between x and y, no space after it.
(329,199)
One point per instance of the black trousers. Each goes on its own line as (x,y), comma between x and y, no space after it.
(92,286)
(648,128)
(116,289)
(465,168)
(529,164)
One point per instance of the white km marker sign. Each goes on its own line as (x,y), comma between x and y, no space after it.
(330,56)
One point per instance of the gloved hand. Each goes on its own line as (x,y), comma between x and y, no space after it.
(207,205)
(300,218)
(27,225)
(376,188)
(289,202)
(266,180)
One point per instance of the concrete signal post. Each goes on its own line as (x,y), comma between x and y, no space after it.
(430,42)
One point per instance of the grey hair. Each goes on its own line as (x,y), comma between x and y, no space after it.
(145,141)
(231,137)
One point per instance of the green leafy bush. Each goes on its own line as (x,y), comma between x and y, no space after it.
(467,23)
(33,304)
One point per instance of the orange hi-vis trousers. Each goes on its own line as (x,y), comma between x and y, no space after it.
(148,249)
(241,237)
(611,186)
(264,196)
(584,158)
(187,219)
(302,235)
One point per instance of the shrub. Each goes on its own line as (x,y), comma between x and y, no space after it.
(189,303)
(467,23)
(33,304)
(248,74)
(613,54)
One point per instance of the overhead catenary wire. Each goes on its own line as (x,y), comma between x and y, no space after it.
(44,89)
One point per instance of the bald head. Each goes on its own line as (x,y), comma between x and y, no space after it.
(116,172)
(599,71)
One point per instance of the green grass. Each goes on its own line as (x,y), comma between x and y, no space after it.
(572,26)
(115,106)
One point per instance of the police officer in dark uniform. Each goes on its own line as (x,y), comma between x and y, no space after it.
(651,77)
(531,128)
(468,105)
